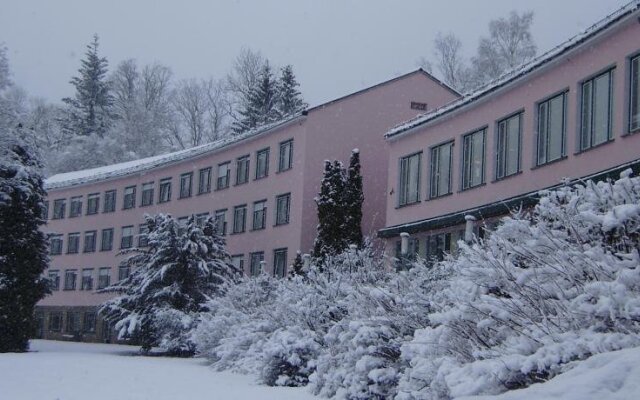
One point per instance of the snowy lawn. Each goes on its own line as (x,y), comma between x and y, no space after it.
(68,371)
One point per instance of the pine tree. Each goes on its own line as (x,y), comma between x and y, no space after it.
(289,98)
(90,110)
(298,265)
(353,199)
(172,281)
(331,213)
(261,103)
(23,247)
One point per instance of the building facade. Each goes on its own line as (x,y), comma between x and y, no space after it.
(260,186)
(572,113)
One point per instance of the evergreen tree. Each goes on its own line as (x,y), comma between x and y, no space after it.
(330,239)
(172,280)
(261,103)
(289,98)
(90,110)
(23,247)
(353,199)
(298,265)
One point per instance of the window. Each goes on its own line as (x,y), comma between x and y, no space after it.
(438,245)
(45,210)
(106,242)
(70,279)
(596,110)
(109,201)
(90,241)
(59,207)
(508,150)
(186,181)
(123,272)
(473,159)
(73,322)
(242,170)
(221,222)
(280,263)
(551,129)
(165,190)
(283,204)
(147,194)
(93,203)
(262,163)
(73,243)
(409,179)
(634,95)
(440,180)
(182,225)
(143,239)
(89,323)
(104,277)
(259,214)
(75,207)
(201,219)
(204,180)
(55,321)
(238,262)
(56,244)
(285,159)
(223,176)
(129,197)
(54,278)
(239,217)
(126,239)
(255,263)
(87,279)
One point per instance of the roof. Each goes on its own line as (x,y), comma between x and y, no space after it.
(518,73)
(126,168)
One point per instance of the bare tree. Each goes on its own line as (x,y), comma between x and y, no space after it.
(219,111)
(245,74)
(451,64)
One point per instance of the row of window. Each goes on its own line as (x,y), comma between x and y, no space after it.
(87,278)
(596,110)
(73,322)
(257,265)
(258,222)
(285,162)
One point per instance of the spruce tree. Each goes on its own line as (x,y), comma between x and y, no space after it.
(90,110)
(353,199)
(298,266)
(23,247)
(330,238)
(289,97)
(172,281)
(261,103)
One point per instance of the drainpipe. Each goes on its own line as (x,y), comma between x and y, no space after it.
(468,231)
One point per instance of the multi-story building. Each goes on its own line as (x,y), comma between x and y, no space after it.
(260,186)
(572,113)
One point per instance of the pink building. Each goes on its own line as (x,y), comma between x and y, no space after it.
(572,113)
(261,185)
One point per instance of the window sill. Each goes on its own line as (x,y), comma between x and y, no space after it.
(104,250)
(408,204)
(257,229)
(221,188)
(439,197)
(184,197)
(164,201)
(93,213)
(128,208)
(284,170)
(577,153)
(282,224)
(631,132)
(260,178)
(69,290)
(240,183)
(88,251)
(108,212)
(235,233)
(145,205)
(74,216)
(504,178)
(205,192)
(549,162)
(472,187)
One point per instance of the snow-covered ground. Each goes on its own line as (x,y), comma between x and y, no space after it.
(68,371)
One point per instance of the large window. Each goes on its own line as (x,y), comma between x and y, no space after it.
(147,194)
(73,243)
(70,276)
(75,207)
(283,206)
(165,190)
(183,224)
(129,200)
(440,180)
(186,181)
(123,272)
(90,241)
(255,263)
(242,170)
(126,239)
(259,214)
(56,243)
(54,278)
(106,242)
(73,322)
(143,238)
(104,277)
(473,159)
(262,163)
(280,263)
(204,180)
(409,191)
(221,222)
(109,201)
(239,218)
(201,218)
(55,321)
(634,95)
(89,323)
(93,203)
(285,159)
(551,129)
(59,207)
(223,176)
(238,262)
(508,157)
(87,279)
(596,110)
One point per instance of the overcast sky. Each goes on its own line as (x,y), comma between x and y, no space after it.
(336,47)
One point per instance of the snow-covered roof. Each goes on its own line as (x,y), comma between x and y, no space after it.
(116,170)
(518,72)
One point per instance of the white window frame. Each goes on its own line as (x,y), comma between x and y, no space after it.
(469,155)
(405,195)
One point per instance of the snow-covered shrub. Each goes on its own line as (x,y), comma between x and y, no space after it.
(546,288)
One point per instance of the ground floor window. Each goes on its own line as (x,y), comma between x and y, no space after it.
(55,321)
(73,322)
(89,323)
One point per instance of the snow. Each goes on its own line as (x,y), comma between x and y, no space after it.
(517,72)
(130,167)
(612,376)
(70,371)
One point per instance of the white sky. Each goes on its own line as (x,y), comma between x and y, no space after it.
(335,46)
